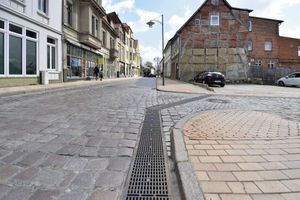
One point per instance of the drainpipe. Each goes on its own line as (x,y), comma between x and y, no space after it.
(62,40)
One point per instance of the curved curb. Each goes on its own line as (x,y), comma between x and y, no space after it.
(176,92)
(187,178)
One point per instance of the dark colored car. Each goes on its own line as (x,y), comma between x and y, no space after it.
(210,78)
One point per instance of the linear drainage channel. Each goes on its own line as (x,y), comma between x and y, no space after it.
(149,174)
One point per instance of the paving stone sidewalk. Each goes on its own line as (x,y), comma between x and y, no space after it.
(245,155)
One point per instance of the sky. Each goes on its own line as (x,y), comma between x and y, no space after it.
(176,12)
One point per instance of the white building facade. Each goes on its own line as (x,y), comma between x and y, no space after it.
(30,41)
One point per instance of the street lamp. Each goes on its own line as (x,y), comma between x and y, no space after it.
(150,24)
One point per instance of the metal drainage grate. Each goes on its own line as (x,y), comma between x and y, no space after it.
(149,179)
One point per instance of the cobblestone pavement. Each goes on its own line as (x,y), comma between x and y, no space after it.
(78,144)
(75,144)
(242,147)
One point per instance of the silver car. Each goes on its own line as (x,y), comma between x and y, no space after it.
(290,80)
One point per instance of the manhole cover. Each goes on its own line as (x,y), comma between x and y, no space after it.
(217,101)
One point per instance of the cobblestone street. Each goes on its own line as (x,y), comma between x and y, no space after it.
(75,144)
(79,144)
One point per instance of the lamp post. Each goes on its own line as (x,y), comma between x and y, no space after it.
(150,24)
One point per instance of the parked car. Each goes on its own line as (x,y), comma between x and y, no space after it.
(290,80)
(210,78)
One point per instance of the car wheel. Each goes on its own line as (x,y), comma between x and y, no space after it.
(281,83)
(222,85)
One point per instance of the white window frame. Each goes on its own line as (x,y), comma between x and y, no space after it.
(4,31)
(298,51)
(212,22)
(250,26)
(56,61)
(271,64)
(22,36)
(36,40)
(41,5)
(268,48)
(250,45)
(258,63)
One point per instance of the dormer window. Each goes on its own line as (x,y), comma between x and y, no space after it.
(214,20)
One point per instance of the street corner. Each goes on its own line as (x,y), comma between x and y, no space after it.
(242,154)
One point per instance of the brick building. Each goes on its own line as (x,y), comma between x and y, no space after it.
(219,37)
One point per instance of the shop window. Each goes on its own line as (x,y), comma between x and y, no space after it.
(31,57)
(271,64)
(15,29)
(51,53)
(1,24)
(268,46)
(15,55)
(214,20)
(31,34)
(1,53)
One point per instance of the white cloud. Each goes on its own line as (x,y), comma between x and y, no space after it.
(118,7)
(144,16)
(148,53)
(276,8)
(175,22)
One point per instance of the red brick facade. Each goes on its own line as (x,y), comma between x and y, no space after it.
(204,45)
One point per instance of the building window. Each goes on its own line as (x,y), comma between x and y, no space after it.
(258,63)
(112,43)
(104,38)
(15,29)
(250,26)
(31,57)
(97,28)
(214,20)
(51,53)
(31,52)
(93,25)
(69,13)
(1,53)
(43,6)
(197,22)
(215,2)
(250,45)
(268,46)
(1,24)
(271,64)
(299,51)
(15,55)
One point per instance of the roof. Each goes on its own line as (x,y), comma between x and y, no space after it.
(114,17)
(127,27)
(276,20)
(198,10)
